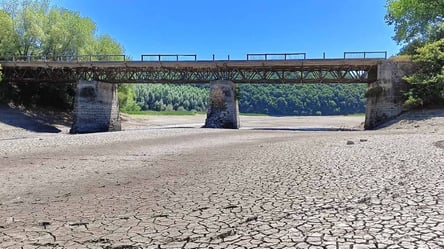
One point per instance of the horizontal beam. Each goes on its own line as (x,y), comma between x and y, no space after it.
(294,71)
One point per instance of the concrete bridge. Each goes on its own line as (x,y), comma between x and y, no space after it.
(96,105)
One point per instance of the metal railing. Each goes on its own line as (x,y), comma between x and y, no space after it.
(168,57)
(277,56)
(183,57)
(65,58)
(365,55)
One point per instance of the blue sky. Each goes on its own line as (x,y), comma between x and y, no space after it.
(238,27)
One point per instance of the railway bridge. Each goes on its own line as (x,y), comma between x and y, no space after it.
(96,105)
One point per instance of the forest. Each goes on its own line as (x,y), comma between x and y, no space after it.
(310,99)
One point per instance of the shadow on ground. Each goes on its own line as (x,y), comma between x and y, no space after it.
(413,116)
(306,129)
(19,119)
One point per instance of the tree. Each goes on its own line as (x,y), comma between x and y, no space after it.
(7,34)
(416,22)
(67,34)
(428,81)
(34,28)
(127,97)
(28,21)
(419,25)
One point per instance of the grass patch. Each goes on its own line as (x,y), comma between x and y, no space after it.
(254,114)
(155,113)
(356,115)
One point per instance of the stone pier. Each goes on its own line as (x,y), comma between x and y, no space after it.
(223,111)
(385,95)
(96,108)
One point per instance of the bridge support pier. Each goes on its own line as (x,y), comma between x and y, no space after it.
(223,111)
(96,108)
(384,97)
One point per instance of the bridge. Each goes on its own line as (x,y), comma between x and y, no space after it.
(96,107)
(195,72)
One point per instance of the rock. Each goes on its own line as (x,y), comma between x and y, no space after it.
(363,140)
(350,142)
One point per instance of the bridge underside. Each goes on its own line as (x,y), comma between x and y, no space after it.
(248,72)
(96,108)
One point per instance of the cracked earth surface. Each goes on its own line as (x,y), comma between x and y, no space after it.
(198,188)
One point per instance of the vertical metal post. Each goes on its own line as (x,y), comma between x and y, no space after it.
(323,55)
(228,57)
(365,53)
(159,57)
(266,57)
(285,57)
(214,57)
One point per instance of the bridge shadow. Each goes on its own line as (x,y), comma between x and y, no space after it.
(19,119)
(413,116)
(306,129)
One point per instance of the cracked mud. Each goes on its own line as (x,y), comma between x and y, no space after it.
(194,188)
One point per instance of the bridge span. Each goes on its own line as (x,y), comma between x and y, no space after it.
(96,104)
(195,72)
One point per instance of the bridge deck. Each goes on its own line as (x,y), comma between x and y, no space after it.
(200,64)
(239,71)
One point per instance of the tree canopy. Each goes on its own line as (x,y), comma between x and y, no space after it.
(36,28)
(419,26)
(428,81)
(262,99)
(416,22)
(33,27)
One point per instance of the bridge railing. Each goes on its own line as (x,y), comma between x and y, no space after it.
(168,57)
(277,56)
(183,57)
(366,55)
(64,58)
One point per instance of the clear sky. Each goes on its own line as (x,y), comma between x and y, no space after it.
(238,27)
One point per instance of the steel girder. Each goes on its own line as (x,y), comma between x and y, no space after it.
(123,73)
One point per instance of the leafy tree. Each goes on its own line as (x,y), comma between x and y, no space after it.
(7,34)
(127,97)
(266,99)
(419,25)
(67,34)
(416,22)
(428,80)
(34,28)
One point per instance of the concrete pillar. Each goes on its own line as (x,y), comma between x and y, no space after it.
(385,95)
(96,108)
(223,111)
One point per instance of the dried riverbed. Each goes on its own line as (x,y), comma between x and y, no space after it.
(276,183)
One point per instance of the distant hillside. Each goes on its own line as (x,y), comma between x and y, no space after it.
(315,99)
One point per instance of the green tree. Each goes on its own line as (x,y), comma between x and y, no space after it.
(419,26)
(428,81)
(416,22)
(7,34)
(67,34)
(127,97)
(34,28)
